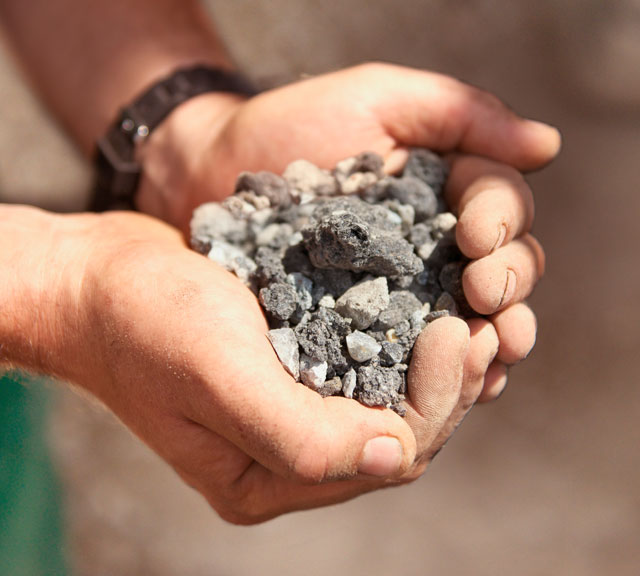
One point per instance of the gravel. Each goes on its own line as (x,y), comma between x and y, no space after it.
(349,266)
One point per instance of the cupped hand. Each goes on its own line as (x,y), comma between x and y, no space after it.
(176,347)
(386,109)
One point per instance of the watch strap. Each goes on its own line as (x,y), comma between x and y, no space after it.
(117,172)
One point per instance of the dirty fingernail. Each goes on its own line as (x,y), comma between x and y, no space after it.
(502,233)
(381,456)
(509,288)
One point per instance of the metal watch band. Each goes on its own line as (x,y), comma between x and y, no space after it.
(117,172)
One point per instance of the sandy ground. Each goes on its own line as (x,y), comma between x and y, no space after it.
(547,480)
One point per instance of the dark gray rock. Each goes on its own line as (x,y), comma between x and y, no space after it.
(402,304)
(266,184)
(392,353)
(376,216)
(269,267)
(379,386)
(320,343)
(279,300)
(415,193)
(427,167)
(346,241)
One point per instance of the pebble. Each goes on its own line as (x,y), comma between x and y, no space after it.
(362,347)
(313,372)
(349,383)
(285,344)
(364,302)
(309,179)
(279,300)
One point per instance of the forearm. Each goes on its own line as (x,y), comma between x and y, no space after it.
(89,57)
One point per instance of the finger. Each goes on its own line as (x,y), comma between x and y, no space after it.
(516,327)
(493,202)
(439,112)
(495,382)
(482,350)
(292,430)
(504,277)
(242,490)
(435,377)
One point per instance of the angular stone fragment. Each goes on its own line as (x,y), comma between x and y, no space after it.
(313,372)
(448,303)
(303,287)
(309,179)
(402,304)
(375,216)
(362,347)
(211,221)
(366,162)
(391,354)
(364,302)
(232,259)
(320,343)
(415,193)
(349,383)
(428,167)
(331,387)
(285,344)
(279,300)
(379,386)
(269,267)
(348,242)
(266,184)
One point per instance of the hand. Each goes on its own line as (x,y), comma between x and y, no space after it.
(176,347)
(386,109)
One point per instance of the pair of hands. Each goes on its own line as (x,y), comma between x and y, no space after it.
(176,346)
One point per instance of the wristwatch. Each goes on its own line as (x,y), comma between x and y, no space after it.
(117,172)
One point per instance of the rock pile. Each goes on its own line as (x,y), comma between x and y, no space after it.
(349,266)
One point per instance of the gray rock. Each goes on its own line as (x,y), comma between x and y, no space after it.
(327,301)
(415,193)
(304,289)
(349,381)
(405,212)
(427,167)
(366,162)
(285,344)
(334,281)
(212,222)
(238,208)
(364,302)
(391,354)
(232,259)
(346,241)
(362,347)
(376,216)
(442,225)
(446,302)
(268,185)
(402,304)
(269,267)
(379,386)
(420,234)
(279,300)
(451,279)
(313,372)
(331,387)
(320,343)
(309,179)
(358,182)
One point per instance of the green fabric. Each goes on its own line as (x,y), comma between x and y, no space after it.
(30,527)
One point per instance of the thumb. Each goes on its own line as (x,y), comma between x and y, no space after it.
(439,112)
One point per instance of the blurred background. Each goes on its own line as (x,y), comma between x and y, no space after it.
(547,479)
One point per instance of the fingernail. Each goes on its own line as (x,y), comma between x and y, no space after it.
(509,288)
(502,233)
(551,136)
(381,456)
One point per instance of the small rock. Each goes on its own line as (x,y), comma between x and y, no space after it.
(238,208)
(274,235)
(285,344)
(279,300)
(327,301)
(313,372)
(304,289)
(366,162)
(349,383)
(446,302)
(414,192)
(309,179)
(362,347)
(364,302)
(331,387)
(211,221)
(391,354)
(402,304)
(269,267)
(267,185)
(379,386)
(358,182)
(232,259)
(443,225)
(428,167)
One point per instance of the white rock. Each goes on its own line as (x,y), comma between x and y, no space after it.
(309,179)
(358,181)
(313,372)
(327,301)
(426,250)
(349,383)
(285,344)
(443,225)
(233,259)
(362,347)
(364,302)
(304,289)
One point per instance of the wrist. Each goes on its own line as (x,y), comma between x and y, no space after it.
(44,258)
(173,156)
